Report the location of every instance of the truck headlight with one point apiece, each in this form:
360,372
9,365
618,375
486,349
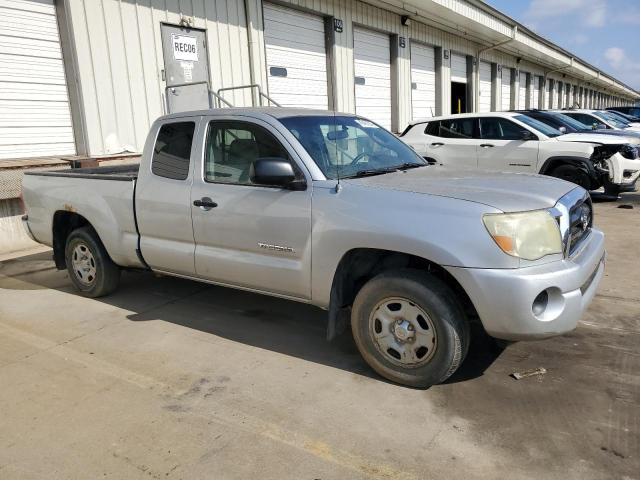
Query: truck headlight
527,235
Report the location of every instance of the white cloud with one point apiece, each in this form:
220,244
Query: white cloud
625,68
579,39
615,56
591,13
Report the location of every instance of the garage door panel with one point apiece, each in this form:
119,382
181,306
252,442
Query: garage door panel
295,41
40,6
372,62
35,117
505,89
28,25
522,90
423,80
484,104
458,68
536,92
296,61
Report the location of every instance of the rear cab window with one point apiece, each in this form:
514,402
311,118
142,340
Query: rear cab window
172,151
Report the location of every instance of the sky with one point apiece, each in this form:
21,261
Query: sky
605,33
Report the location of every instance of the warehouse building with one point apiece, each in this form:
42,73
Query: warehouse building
87,77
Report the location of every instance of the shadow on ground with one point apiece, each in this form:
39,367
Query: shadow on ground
270,323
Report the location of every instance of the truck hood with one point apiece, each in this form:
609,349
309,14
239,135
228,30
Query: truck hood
509,192
603,139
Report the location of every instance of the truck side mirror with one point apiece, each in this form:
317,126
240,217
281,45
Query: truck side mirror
528,136
275,172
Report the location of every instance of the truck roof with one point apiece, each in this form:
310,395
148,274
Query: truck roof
276,112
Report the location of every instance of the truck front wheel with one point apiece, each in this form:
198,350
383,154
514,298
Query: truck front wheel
409,328
91,269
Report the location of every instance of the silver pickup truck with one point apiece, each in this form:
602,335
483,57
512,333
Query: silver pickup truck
332,210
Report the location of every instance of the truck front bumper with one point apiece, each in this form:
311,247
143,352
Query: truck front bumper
506,299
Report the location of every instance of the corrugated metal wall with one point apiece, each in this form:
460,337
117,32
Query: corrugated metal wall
120,60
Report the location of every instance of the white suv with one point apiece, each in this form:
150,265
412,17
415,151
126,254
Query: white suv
513,142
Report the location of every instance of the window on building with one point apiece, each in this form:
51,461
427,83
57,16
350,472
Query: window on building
172,151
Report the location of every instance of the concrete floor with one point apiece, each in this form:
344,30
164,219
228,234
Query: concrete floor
175,379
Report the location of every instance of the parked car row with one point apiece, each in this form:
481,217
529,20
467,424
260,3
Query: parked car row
591,148
333,210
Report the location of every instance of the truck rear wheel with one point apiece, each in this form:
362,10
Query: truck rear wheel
91,269
409,328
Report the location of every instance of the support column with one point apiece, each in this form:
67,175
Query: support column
443,80
496,87
472,86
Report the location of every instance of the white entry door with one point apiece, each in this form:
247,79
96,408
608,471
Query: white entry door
372,66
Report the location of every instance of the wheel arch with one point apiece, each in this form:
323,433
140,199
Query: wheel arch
65,222
359,265
585,165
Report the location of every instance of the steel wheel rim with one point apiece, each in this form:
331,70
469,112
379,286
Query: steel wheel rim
402,332
84,264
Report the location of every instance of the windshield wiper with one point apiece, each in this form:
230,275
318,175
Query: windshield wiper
376,171
408,165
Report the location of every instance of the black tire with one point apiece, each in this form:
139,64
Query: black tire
446,316
102,275
611,189
572,174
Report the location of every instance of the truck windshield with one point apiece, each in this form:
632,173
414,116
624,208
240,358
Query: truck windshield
346,146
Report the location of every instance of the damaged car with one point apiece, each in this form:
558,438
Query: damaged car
514,142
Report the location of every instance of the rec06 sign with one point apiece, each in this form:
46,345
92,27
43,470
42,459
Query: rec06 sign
185,47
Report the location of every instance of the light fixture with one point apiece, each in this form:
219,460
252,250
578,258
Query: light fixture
405,20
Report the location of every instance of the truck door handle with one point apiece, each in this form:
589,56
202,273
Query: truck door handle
437,144
205,203
486,145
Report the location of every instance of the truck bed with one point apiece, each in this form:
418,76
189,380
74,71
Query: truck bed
103,196
117,172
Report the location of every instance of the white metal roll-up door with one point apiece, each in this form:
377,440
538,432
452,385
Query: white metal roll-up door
458,68
484,103
35,119
535,101
522,90
506,88
372,65
423,81
554,95
296,57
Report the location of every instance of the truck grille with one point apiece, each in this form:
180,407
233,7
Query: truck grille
580,223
